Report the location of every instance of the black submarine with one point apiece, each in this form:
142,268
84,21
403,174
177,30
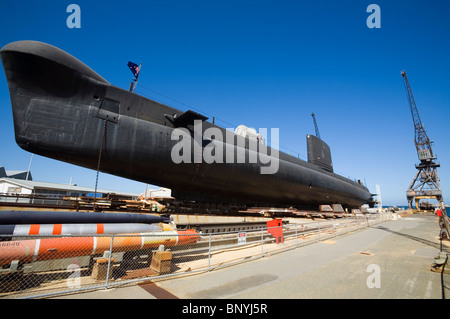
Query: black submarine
64,110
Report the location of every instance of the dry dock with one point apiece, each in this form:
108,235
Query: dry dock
390,260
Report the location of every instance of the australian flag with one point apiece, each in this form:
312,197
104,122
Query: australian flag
134,69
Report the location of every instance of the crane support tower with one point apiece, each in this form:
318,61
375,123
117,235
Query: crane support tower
426,181
315,125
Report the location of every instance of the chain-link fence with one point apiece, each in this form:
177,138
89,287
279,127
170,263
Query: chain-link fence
37,267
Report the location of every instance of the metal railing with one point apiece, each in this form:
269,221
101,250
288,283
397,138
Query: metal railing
40,267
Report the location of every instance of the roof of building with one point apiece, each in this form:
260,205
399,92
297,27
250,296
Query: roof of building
67,187
26,175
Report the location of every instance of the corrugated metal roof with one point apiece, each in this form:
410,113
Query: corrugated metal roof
66,187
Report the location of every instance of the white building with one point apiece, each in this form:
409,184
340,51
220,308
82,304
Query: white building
27,191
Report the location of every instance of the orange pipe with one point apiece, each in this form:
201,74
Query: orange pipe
56,248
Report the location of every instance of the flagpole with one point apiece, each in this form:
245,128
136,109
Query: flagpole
135,82
29,167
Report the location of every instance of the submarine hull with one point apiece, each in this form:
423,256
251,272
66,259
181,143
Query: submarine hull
50,217
62,109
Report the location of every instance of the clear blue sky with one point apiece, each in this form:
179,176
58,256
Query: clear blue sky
265,64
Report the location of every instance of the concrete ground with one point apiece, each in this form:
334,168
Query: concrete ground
390,260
